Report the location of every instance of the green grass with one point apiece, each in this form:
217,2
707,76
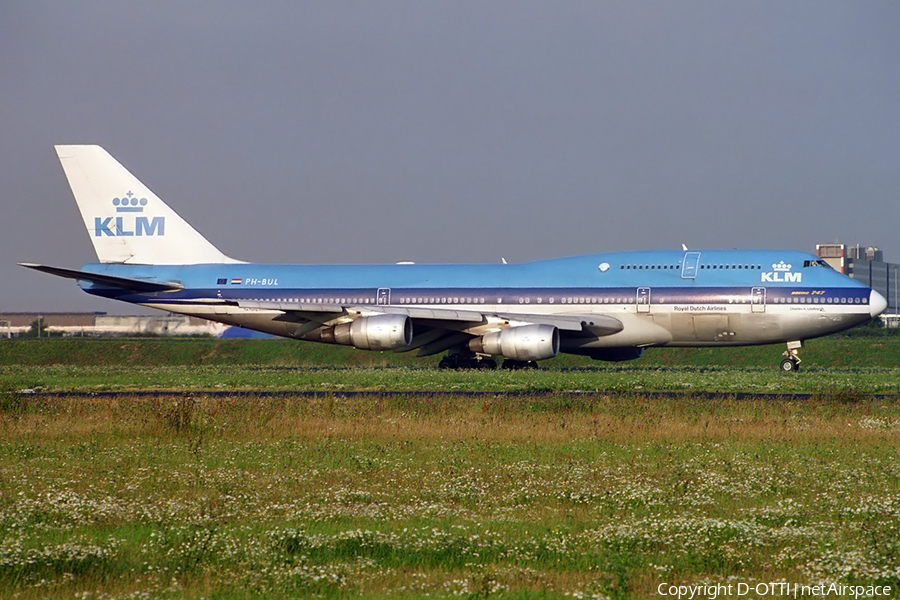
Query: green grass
630,379
832,365
540,496
832,352
546,494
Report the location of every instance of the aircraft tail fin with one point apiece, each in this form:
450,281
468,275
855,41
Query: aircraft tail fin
128,223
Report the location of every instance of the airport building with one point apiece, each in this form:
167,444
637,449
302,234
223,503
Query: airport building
866,265
13,324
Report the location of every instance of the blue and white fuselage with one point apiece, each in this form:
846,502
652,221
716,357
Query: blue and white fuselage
608,306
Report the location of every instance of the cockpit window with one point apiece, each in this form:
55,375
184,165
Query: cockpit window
816,263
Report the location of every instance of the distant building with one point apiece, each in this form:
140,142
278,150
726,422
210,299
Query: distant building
866,265
99,323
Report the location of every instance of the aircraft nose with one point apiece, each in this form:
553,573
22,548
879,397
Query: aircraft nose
877,303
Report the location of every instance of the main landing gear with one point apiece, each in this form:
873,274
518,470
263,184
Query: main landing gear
467,361
792,358
515,365
462,360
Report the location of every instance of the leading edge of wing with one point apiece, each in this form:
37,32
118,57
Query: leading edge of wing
125,283
439,314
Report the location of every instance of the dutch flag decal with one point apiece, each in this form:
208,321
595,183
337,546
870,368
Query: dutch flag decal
236,281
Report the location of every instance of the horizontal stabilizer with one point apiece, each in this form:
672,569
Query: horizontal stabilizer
125,283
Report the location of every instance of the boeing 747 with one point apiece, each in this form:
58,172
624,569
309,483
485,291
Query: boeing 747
606,306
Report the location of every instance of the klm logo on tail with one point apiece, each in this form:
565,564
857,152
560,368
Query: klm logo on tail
126,226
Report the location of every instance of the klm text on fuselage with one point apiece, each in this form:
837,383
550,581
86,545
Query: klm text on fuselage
778,277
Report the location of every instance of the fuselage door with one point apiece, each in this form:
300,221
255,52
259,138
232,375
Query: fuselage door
643,299
690,265
758,299
384,296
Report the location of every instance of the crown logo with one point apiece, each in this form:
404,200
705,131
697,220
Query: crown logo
781,266
129,203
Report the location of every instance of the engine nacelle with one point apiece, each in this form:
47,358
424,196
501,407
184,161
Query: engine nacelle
525,342
379,332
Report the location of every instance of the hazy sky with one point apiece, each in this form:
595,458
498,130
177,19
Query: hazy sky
429,131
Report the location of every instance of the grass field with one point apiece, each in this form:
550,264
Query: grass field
877,351
628,379
546,494
831,366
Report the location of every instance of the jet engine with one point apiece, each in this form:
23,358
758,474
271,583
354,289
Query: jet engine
525,342
379,332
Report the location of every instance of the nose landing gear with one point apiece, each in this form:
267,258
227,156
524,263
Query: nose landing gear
792,359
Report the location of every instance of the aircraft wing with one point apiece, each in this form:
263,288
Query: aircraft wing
452,320
413,313
596,324
562,322
295,307
125,283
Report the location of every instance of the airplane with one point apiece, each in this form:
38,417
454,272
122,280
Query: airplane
609,307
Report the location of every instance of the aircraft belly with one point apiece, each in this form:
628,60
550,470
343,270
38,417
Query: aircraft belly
816,324
725,329
638,331
718,327
746,328
712,328
679,325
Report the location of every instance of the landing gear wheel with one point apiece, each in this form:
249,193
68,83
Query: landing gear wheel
791,362
788,365
462,361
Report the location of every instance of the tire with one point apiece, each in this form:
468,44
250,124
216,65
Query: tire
787,365
469,363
